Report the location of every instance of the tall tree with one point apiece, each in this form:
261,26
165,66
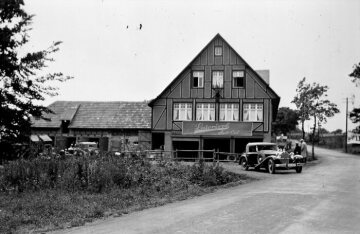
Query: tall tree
316,104
355,113
23,83
302,102
286,120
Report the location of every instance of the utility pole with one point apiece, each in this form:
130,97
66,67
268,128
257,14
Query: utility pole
346,127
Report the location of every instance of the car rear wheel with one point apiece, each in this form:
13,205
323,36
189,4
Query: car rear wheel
271,166
244,164
298,169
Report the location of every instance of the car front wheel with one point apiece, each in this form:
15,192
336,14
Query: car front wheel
298,169
271,166
244,164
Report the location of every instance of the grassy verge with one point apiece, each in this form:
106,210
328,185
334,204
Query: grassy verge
47,194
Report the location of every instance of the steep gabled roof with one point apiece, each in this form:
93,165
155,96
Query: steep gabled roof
276,100
98,115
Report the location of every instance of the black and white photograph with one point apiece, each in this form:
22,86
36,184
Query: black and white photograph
160,117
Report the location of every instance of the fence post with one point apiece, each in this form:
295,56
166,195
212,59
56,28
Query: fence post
214,157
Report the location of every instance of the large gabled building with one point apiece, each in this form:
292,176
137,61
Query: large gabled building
218,101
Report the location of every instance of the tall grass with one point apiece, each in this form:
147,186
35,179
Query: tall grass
54,192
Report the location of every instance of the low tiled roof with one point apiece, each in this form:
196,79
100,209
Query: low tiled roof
99,115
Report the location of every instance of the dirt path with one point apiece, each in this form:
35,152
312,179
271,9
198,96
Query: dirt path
322,199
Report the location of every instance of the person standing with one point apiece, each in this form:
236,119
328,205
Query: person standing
303,147
297,149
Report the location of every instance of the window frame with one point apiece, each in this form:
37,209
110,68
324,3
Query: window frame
186,110
193,77
232,111
244,79
212,79
256,110
221,50
208,109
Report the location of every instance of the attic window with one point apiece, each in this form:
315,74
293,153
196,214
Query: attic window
218,50
238,77
198,79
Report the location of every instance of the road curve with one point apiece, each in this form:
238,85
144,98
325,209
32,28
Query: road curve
324,198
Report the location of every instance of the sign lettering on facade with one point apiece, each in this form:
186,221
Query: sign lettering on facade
217,128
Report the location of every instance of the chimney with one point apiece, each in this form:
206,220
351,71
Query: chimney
265,75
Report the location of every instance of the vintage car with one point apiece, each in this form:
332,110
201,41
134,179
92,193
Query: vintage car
269,156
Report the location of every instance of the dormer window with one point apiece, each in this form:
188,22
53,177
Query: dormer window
218,50
198,79
218,79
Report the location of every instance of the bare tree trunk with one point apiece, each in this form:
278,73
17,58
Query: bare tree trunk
313,140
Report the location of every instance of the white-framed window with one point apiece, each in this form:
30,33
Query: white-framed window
205,112
217,79
253,112
198,79
182,111
229,112
239,79
218,50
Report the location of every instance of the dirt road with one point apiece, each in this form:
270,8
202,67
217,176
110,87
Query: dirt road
322,199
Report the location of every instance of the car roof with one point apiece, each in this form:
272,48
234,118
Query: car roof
260,143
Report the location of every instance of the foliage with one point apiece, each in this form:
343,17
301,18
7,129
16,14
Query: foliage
51,191
310,100
355,115
23,82
337,131
355,74
303,102
286,120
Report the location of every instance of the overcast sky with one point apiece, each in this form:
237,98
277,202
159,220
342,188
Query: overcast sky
111,59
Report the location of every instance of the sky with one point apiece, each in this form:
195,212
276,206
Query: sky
111,59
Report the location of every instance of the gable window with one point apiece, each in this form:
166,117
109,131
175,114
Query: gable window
205,112
218,50
182,111
238,77
217,79
229,112
253,112
198,79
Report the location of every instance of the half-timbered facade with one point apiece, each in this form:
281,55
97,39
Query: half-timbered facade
217,102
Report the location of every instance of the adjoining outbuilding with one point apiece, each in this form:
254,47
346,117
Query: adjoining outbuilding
114,126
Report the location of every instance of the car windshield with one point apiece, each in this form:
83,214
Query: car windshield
267,147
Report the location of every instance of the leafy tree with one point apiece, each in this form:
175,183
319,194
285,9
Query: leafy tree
302,102
23,83
316,106
286,121
356,74
355,115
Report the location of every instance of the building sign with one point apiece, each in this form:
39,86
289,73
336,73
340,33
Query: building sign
217,128
353,138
